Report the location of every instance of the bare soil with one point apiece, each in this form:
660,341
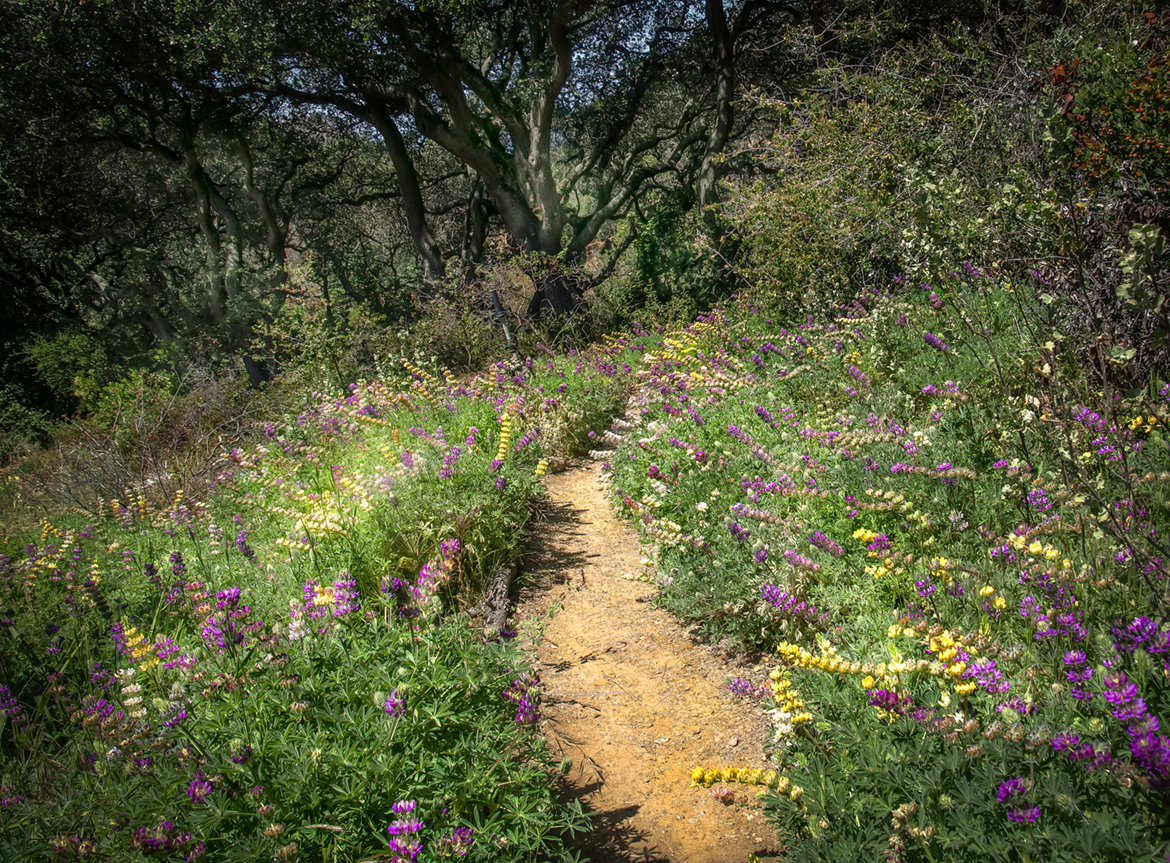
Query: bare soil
630,697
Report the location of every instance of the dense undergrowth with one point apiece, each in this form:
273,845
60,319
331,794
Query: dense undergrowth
953,544
285,666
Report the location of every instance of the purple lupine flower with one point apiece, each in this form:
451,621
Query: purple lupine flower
457,843
826,544
1024,814
1129,637
890,701
1151,751
525,694
935,342
793,558
9,797
177,715
346,596
450,460
501,483
1013,794
10,706
395,705
404,842
1039,500
738,531
199,788
1011,790
746,689
987,676
242,544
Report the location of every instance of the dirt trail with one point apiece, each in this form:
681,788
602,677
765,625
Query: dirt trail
629,697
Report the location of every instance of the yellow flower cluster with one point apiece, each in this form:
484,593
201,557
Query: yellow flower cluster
940,568
505,436
1150,422
139,649
320,524
292,544
885,568
788,700
541,468
421,390
705,778
1038,551
945,646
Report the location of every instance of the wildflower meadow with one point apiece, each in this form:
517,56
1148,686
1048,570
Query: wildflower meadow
951,546
289,666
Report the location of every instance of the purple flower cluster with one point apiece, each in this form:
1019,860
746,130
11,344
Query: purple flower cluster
450,460
738,531
1078,672
935,342
890,701
404,842
1069,623
525,694
826,544
346,596
1150,750
395,705
436,572
1038,500
242,544
227,626
794,558
792,605
164,840
989,678
1014,794
457,843
1141,632
199,788
9,797
746,689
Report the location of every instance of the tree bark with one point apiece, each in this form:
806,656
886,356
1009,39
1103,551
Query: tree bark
434,270
720,132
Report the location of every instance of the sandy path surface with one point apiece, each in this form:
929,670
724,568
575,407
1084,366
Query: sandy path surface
629,697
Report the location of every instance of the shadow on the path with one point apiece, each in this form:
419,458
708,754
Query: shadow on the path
612,839
551,554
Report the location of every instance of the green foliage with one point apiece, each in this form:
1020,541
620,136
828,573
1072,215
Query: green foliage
272,666
924,509
74,364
